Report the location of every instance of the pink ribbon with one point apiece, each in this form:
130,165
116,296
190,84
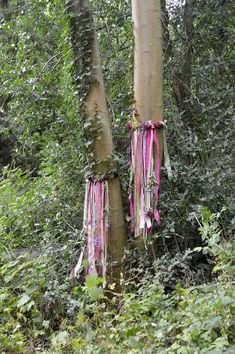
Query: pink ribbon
144,163
96,211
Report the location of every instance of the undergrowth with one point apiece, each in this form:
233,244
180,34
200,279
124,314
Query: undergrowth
169,307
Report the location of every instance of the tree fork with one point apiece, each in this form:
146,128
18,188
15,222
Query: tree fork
93,107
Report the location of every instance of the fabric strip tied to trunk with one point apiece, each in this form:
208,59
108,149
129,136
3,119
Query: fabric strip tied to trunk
96,213
144,166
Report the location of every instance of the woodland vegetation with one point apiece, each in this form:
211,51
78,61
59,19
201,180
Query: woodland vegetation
178,295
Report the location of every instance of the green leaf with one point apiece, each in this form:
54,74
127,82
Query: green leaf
23,300
92,281
60,338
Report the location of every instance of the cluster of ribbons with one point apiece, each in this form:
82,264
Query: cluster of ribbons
96,212
144,166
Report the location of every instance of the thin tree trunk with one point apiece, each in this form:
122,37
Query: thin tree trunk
148,67
6,143
93,107
4,4
181,79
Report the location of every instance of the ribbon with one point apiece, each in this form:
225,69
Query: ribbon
95,226
144,164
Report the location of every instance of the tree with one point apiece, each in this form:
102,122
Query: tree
148,86
5,143
148,81
4,4
181,77
93,108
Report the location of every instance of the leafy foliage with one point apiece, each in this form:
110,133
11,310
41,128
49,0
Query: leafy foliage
179,296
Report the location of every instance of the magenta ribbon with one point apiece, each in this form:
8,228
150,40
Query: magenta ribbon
157,160
96,224
144,164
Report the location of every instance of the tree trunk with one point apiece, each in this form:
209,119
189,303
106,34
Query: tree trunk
148,72
148,68
6,143
93,107
181,79
4,4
